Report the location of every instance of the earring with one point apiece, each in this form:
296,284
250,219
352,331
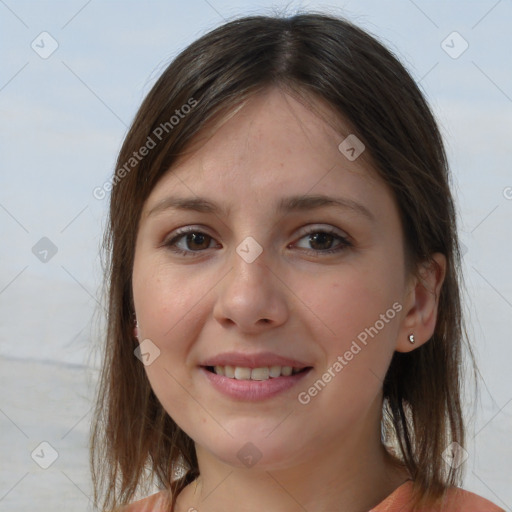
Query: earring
411,338
136,329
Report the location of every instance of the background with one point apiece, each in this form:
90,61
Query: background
72,76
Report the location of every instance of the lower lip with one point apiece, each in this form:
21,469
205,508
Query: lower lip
252,390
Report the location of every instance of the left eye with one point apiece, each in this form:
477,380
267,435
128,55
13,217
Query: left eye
326,237
197,241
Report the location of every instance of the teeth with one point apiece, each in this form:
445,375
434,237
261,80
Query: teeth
260,374
275,371
242,373
286,371
263,373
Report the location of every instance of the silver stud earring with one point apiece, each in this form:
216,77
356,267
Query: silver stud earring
411,338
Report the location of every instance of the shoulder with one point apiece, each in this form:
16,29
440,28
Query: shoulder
459,500
154,503
455,500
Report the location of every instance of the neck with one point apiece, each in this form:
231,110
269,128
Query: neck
352,473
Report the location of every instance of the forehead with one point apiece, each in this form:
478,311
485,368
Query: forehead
291,124
270,146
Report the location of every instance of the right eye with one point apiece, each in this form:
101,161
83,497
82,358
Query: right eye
193,240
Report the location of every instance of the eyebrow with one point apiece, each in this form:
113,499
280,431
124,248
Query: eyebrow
286,204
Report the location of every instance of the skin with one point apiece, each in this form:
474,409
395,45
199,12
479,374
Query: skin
290,301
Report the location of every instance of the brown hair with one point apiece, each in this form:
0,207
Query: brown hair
314,56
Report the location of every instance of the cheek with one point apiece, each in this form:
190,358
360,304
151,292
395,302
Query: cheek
353,314
356,323
160,295
170,307
346,302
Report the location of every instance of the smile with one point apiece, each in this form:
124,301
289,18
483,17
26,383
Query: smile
253,384
262,373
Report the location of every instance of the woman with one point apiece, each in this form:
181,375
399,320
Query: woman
285,324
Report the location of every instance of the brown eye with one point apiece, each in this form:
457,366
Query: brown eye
189,241
322,241
197,241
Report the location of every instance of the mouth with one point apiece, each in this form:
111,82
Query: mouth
258,374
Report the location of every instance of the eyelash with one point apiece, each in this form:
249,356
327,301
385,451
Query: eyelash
329,231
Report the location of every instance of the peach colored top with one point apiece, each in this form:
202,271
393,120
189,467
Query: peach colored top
457,500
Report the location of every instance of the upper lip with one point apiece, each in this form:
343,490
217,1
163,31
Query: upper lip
259,360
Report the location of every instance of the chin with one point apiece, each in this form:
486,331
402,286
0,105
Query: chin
261,452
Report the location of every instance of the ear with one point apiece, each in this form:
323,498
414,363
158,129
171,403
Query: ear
421,303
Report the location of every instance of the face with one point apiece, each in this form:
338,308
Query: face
317,284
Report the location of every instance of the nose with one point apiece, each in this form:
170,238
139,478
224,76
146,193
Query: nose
251,296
